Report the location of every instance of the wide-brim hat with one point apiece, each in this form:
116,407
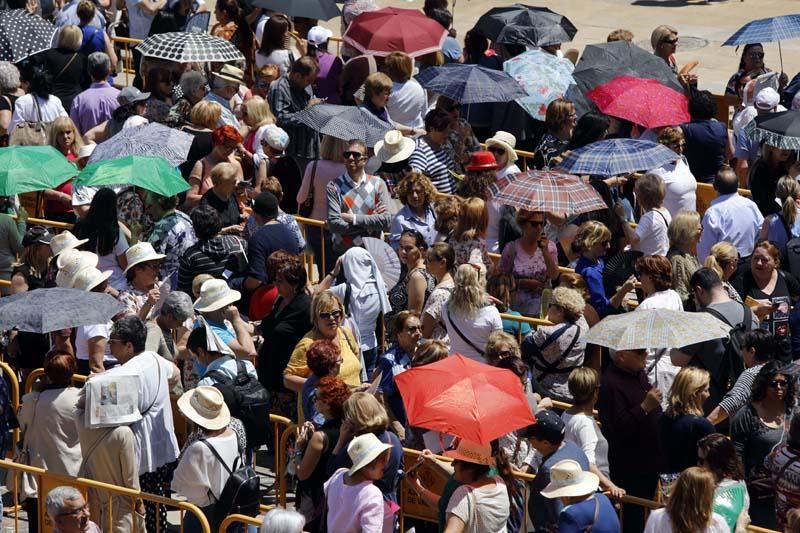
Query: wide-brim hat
205,406
506,141
141,253
567,478
482,160
364,449
472,452
65,241
231,73
215,294
89,278
394,147
70,263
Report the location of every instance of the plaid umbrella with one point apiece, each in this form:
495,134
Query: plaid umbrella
32,168
390,29
545,190
470,84
189,47
656,328
641,101
781,130
46,310
152,139
525,25
544,77
345,122
23,34
767,30
313,9
613,157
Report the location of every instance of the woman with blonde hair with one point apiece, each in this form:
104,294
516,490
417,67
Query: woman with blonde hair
690,506
203,117
664,41
64,137
559,122
683,423
469,236
67,65
409,101
783,226
255,113
650,236
724,260
469,317
684,234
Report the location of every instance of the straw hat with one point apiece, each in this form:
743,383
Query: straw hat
65,241
364,449
472,452
89,278
394,147
206,407
506,141
140,253
567,478
70,263
231,73
215,294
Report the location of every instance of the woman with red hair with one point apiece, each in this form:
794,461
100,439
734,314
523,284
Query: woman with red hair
226,140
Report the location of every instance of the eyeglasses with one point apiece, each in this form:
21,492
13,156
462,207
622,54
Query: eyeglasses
775,383
354,155
332,315
756,55
81,510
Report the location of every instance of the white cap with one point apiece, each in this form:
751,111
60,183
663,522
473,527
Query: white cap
318,35
767,98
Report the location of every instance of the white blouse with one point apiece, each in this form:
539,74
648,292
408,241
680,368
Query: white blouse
25,110
200,475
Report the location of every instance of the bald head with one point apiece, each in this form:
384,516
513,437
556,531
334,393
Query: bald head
726,181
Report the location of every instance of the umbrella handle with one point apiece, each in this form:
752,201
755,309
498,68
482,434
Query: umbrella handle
780,53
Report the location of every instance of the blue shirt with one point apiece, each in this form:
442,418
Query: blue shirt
592,273
269,238
227,366
225,334
395,361
732,218
776,232
407,219
512,327
307,396
545,511
575,518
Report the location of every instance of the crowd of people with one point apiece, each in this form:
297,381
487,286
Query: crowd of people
224,315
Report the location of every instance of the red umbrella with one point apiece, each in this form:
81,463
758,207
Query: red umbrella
470,400
391,29
645,102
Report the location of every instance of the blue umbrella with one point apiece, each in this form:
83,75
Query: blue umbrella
766,31
613,157
470,84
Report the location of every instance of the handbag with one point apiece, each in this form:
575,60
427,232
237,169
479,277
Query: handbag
25,484
31,133
308,204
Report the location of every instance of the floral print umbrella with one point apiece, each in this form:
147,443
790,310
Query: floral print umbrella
543,76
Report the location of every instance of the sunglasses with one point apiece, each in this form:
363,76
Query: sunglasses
332,315
775,383
496,150
671,41
756,55
354,155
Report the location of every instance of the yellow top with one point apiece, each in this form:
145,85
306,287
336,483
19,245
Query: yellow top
350,371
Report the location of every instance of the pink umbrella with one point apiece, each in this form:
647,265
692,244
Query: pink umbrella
645,102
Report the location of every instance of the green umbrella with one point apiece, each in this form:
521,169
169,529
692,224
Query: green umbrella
152,173
32,168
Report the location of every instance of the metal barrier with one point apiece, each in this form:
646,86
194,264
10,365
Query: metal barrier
10,375
124,44
239,519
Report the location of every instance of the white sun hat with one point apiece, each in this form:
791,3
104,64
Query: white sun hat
65,241
205,406
89,278
394,147
567,478
141,252
364,449
506,141
70,263
215,294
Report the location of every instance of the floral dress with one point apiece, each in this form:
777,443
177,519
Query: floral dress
435,304
522,265
473,252
398,295
172,235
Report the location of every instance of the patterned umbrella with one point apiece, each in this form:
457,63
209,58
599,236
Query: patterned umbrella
525,25
152,139
642,101
23,34
32,168
470,84
548,191
46,310
767,30
656,328
189,47
152,173
313,9
390,29
613,157
781,130
544,77
345,122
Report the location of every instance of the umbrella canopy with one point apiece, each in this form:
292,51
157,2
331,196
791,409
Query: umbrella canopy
645,102
470,84
32,168
23,34
613,157
464,398
781,130
386,258
766,30
152,139
525,25
152,173
601,63
313,9
345,122
548,191
543,76
390,29
46,310
189,47
656,328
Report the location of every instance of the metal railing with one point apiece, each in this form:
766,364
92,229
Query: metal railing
239,519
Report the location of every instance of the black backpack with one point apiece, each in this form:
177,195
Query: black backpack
732,362
248,401
242,491
790,258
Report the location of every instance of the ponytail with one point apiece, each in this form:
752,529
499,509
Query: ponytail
712,263
789,211
504,469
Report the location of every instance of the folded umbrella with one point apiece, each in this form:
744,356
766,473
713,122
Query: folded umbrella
345,122
613,157
386,258
470,84
32,168
152,139
152,173
464,398
313,9
548,191
543,76
645,102
23,34
525,25
390,29
46,310
781,130
189,47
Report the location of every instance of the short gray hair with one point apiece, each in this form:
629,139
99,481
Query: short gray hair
178,305
9,77
56,498
191,81
283,521
99,65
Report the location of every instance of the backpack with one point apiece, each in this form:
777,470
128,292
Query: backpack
248,401
791,255
242,491
732,361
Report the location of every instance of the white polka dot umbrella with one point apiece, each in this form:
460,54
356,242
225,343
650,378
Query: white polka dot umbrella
23,34
189,47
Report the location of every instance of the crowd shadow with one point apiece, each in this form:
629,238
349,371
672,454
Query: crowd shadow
676,3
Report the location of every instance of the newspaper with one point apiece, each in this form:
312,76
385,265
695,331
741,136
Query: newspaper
112,400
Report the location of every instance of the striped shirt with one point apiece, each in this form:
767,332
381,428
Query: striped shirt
436,164
208,257
739,395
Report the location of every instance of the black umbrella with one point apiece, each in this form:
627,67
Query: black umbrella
601,63
23,34
313,9
525,25
344,122
46,310
781,130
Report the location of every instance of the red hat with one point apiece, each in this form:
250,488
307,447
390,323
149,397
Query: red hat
482,161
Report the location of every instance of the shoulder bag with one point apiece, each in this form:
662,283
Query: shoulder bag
31,133
482,353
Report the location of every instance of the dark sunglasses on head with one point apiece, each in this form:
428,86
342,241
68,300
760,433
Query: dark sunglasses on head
355,155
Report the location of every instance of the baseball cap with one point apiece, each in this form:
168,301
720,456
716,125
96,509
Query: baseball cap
548,426
36,234
318,35
767,98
